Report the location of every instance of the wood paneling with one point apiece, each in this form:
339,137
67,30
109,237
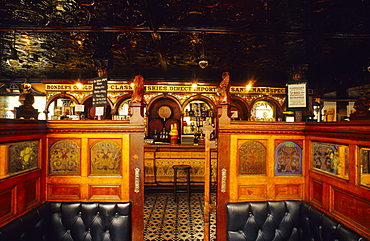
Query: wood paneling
6,204
287,191
20,191
269,186
351,207
32,192
102,192
316,191
88,186
62,191
255,192
340,196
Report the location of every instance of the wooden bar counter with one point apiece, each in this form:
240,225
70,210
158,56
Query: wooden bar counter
159,159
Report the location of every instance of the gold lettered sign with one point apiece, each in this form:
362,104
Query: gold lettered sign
180,88
257,90
68,87
168,88
120,87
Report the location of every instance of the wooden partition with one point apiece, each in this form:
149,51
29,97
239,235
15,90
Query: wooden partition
96,161
338,191
21,154
259,161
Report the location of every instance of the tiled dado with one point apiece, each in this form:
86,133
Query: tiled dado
189,155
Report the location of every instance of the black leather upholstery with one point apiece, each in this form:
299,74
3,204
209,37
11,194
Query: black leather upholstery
71,222
283,221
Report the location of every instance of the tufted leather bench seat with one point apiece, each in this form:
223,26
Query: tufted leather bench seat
283,220
58,221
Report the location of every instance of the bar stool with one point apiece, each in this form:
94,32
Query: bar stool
176,180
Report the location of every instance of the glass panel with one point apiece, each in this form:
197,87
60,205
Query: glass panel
262,111
365,166
331,158
105,158
252,158
123,111
288,159
23,156
64,158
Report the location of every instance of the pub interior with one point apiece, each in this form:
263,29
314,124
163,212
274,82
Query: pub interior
266,102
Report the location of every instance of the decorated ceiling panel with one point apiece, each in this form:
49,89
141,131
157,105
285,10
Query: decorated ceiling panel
164,40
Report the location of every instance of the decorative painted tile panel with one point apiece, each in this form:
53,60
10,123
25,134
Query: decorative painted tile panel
252,158
64,158
105,158
23,156
288,158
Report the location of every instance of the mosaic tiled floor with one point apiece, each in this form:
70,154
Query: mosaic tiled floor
171,221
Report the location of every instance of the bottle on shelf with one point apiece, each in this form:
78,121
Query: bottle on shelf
191,111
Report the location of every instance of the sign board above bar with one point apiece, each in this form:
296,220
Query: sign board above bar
169,88
100,91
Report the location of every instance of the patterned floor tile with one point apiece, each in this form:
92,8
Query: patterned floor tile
166,220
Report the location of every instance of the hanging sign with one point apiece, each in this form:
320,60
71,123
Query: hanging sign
297,95
100,91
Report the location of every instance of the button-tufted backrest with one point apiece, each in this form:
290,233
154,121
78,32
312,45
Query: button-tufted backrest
90,222
316,225
275,220
32,226
284,221
57,221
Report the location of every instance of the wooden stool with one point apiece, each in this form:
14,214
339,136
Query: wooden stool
186,169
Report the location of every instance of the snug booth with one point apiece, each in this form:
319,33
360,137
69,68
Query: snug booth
72,221
283,220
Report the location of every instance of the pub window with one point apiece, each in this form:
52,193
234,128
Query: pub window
330,158
262,111
252,158
365,166
288,159
123,111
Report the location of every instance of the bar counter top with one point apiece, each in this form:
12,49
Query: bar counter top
168,145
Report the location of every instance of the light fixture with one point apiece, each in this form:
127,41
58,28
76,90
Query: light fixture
249,85
13,59
203,62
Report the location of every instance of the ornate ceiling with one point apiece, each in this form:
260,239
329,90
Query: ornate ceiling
164,39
